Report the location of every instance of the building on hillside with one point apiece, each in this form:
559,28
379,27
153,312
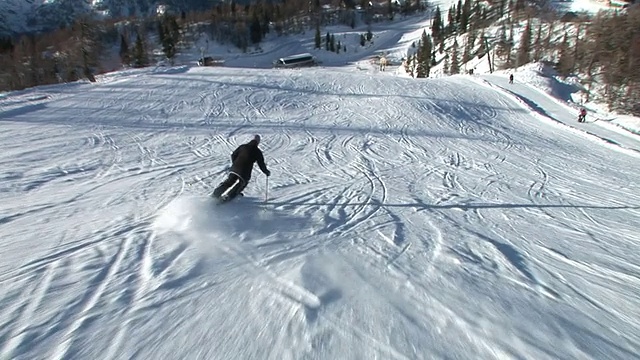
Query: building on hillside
300,60
211,61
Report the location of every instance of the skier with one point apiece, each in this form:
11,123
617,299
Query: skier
583,115
510,78
242,160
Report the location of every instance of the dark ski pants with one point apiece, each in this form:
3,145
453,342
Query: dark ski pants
234,183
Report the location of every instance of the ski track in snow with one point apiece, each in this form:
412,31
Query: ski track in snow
406,219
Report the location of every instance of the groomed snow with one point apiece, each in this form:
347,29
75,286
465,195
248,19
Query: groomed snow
443,218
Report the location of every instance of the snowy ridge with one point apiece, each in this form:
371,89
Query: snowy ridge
405,220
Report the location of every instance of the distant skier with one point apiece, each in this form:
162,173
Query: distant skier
242,159
583,115
510,78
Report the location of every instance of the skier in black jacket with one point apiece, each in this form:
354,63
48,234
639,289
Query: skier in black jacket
242,160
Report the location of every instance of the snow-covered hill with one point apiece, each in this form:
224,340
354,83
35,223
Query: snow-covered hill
404,219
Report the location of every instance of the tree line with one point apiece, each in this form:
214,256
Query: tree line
604,49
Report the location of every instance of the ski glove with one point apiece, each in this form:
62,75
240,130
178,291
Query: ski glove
268,173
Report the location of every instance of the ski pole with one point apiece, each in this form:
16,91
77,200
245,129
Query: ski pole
266,188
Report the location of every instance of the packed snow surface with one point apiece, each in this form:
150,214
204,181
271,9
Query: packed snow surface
404,219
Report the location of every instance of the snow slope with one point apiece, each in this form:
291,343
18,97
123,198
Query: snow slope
404,219
545,106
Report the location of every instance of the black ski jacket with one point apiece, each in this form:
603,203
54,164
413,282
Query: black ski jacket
244,157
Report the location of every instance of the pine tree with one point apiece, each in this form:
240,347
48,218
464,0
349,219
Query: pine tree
548,38
423,58
436,25
478,16
407,64
420,68
6,45
24,63
89,47
455,60
412,65
537,44
169,35
318,37
161,33
508,62
451,21
140,56
524,51
255,28
564,65
467,54
578,52
266,19
447,64
632,96
125,57
465,16
502,46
